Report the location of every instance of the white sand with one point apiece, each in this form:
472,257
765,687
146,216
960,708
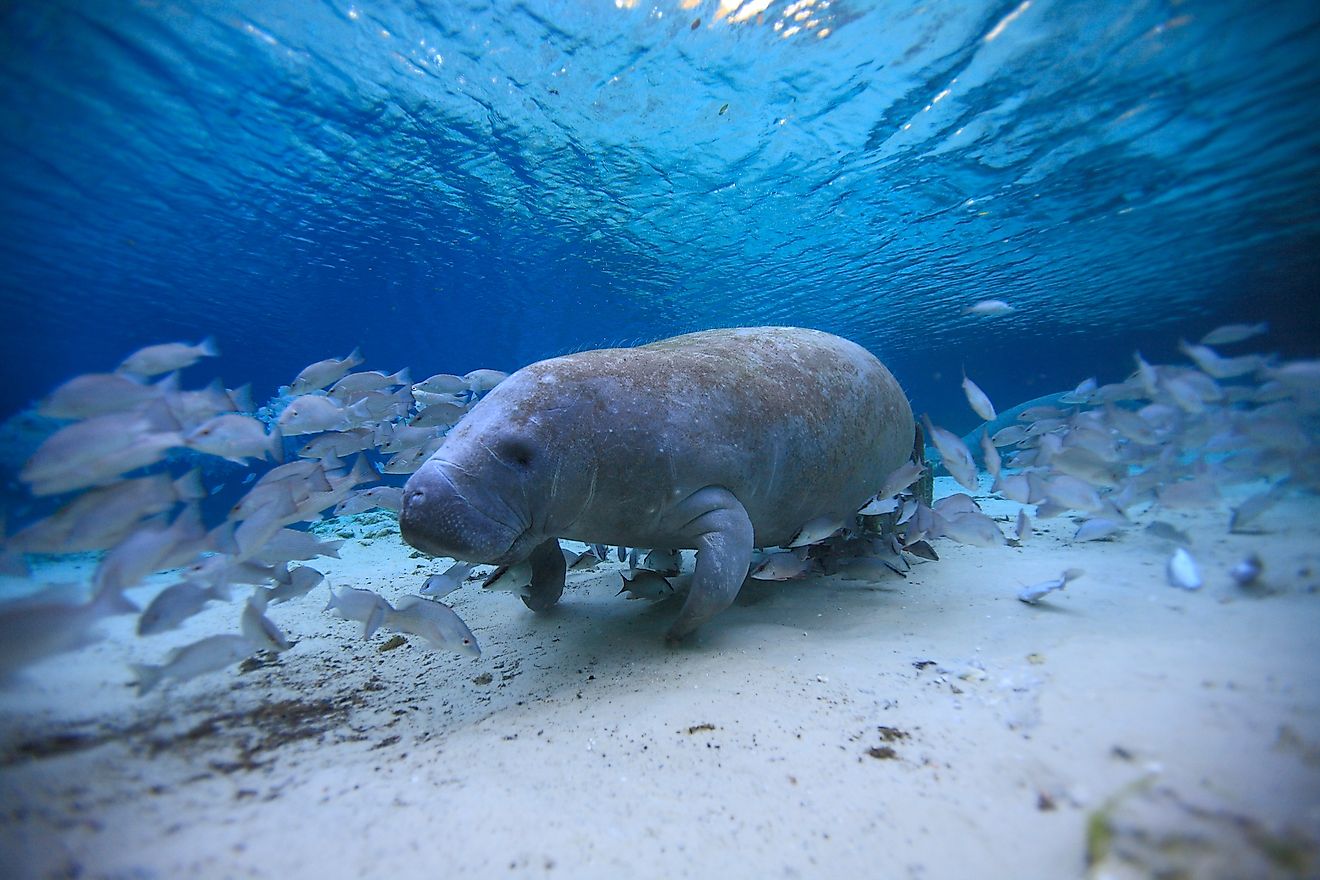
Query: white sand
579,745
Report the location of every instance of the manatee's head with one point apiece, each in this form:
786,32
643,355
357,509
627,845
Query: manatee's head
480,497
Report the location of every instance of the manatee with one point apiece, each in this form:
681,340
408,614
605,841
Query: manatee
718,441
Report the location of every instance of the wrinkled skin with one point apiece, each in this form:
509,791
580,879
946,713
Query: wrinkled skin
718,441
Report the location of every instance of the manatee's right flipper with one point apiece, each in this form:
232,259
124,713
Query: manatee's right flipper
548,568
722,531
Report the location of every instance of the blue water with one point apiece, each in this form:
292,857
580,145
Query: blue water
454,185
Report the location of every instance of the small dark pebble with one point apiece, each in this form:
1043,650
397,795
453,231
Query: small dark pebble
697,728
883,753
1045,803
484,678
394,642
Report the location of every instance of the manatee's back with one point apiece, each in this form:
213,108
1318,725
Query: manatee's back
796,423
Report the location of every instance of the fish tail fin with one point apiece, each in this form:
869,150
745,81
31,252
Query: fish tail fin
355,356
189,486
276,451
402,377
207,347
240,398
147,676
374,620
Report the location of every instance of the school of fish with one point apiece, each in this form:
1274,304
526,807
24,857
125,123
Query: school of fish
122,479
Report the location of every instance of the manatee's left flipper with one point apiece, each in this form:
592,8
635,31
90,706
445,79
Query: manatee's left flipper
548,568
723,534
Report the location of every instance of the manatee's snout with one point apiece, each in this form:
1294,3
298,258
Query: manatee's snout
440,520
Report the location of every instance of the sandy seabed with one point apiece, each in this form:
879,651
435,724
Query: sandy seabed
926,727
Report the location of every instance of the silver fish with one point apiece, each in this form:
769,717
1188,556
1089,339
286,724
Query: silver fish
900,478
323,373
1168,532
440,415
257,627
295,583
1070,493
175,604
288,545
1097,528
878,506
376,406
1182,570
977,399
339,444
1147,375
295,489
341,484
782,566
100,448
52,622
156,359
208,655
1247,512
957,459
410,460
435,622
1081,394
292,470
442,383
645,584
236,438
354,384
1009,435
435,398
667,562
585,561
1231,333
988,308
447,581
1034,593
868,568
363,606
481,381
191,408
1014,487
921,549
1080,462
1212,364
516,578
311,414
276,511
150,549
96,394
993,462
391,438
383,497
101,518
1196,492
972,528
956,504
815,530
1022,528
